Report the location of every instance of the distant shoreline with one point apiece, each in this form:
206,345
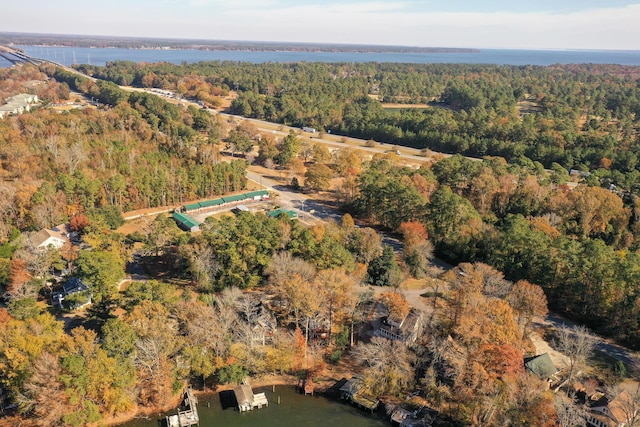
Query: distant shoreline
59,40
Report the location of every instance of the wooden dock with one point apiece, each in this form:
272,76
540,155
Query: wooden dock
306,385
355,391
188,417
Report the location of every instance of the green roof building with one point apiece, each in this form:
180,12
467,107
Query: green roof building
211,203
275,213
185,222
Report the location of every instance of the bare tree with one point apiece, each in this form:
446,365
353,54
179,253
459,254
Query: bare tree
51,211
626,404
44,392
53,146
570,414
306,150
204,266
388,364
338,293
493,282
283,265
527,300
37,261
577,343
72,155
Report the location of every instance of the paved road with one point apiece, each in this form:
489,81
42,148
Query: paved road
308,207
334,142
629,357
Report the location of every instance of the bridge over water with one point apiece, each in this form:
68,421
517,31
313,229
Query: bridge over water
17,57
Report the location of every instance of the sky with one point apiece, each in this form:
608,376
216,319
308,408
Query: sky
519,24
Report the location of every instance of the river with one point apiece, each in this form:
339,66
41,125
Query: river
100,56
294,410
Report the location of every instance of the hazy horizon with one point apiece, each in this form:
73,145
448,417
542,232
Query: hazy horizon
493,24
187,41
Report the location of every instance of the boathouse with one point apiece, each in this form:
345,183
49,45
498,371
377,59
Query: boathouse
248,401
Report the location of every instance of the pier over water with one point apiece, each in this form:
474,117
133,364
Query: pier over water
189,416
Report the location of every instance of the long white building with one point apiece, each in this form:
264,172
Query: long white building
18,104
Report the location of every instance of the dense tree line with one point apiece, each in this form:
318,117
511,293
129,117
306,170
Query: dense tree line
579,116
580,245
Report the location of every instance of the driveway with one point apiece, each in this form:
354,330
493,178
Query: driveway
629,357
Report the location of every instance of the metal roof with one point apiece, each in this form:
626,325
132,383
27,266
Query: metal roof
185,220
541,365
212,202
260,193
275,213
234,198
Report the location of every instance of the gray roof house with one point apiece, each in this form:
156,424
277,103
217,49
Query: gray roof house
405,330
76,293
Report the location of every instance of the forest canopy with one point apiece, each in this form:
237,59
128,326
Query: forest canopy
582,117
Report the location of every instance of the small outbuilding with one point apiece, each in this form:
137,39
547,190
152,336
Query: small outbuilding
541,365
275,213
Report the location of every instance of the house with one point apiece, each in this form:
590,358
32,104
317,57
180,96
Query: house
261,320
422,417
55,237
75,292
405,329
579,173
541,365
619,412
18,104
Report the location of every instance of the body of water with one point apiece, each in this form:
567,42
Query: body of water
100,56
294,410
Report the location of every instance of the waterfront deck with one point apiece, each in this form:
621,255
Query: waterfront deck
355,391
188,417
365,401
